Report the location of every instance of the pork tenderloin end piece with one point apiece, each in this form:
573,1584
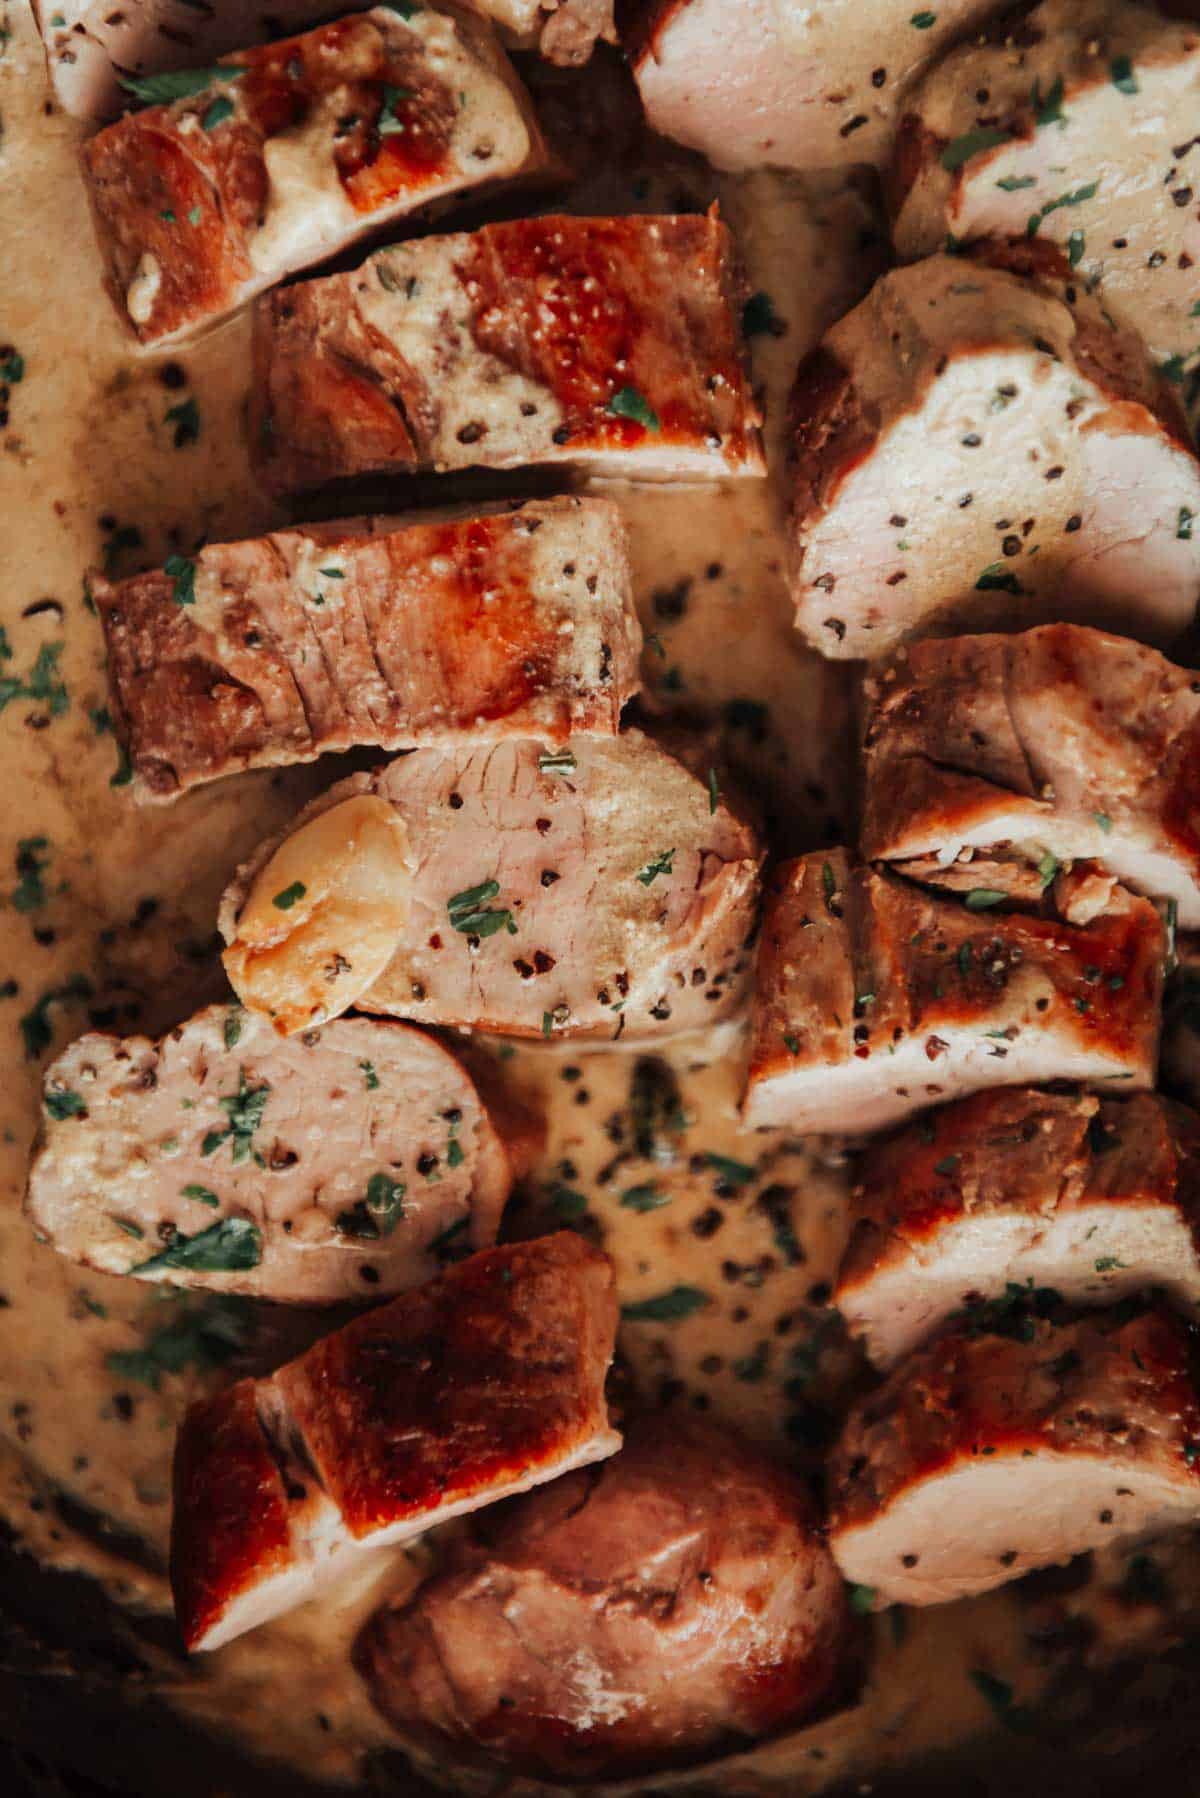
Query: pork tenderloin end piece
350,1162
477,1386
982,1457
876,999
1020,1191
201,203
787,86
1084,138
977,444
326,637
1030,752
677,1600
588,892
607,343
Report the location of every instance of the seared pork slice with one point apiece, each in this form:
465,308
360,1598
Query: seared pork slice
786,85
675,1601
94,49
323,637
608,342
346,1163
1032,751
284,154
983,1456
973,447
876,999
1077,125
1091,1198
479,1385
600,890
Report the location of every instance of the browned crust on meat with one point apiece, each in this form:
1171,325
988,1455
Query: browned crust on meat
231,1524
915,147
1121,1391
429,631
642,23
1019,1149
833,929
829,435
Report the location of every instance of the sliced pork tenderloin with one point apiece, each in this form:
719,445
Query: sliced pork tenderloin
346,1163
285,154
977,444
481,1384
994,760
611,343
1076,123
98,54
324,637
785,85
983,1456
600,890
1085,1197
876,999
674,1602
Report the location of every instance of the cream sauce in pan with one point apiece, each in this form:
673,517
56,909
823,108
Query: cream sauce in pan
107,914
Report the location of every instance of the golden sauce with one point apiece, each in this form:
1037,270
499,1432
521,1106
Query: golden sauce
104,456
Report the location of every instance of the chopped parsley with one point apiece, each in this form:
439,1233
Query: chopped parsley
1108,1264
30,894
204,1337
370,1077
1183,524
285,900
378,1213
231,1030
63,1102
203,1195
43,682
627,402
971,143
182,571
470,913
737,1173
566,1201
1047,868
1047,108
861,1599
999,1695
983,898
1102,821
12,368
244,1109
35,1025
177,84
667,1307
1075,198
1013,184
229,1246
662,864
1121,74
923,20
995,577
186,419
646,1197
1076,245
216,114
559,761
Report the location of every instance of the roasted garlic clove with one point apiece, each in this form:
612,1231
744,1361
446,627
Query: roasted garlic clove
323,916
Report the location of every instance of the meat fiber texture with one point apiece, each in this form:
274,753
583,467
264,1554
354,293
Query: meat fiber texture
984,1456
473,1388
978,444
341,1164
94,49
372,633
254,173
609,343
995,760
876,999
1017,1193
676,1601
779,84
600,893
1076,124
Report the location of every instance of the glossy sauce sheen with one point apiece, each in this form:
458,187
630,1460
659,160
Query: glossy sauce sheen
86,452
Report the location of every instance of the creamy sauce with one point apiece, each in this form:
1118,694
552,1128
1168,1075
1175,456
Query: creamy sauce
96,891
